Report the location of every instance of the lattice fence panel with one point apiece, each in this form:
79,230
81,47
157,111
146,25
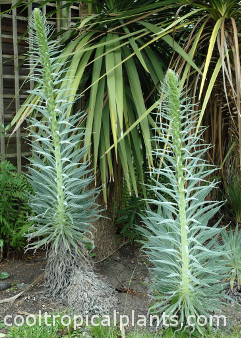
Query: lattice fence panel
13,73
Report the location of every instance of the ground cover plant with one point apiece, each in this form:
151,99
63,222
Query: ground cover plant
188,271
63,203
113,331
62,330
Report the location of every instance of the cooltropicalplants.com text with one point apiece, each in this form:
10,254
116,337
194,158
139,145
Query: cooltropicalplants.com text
114,319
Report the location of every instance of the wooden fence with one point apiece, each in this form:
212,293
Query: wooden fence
13,73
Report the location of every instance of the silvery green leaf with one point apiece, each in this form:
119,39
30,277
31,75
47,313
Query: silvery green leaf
186,265
62,201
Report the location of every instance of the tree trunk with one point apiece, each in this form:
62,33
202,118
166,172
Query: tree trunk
104,236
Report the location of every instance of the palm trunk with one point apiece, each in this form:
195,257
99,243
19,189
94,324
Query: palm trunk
104,236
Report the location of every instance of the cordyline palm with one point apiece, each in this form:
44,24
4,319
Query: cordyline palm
115,61
213,41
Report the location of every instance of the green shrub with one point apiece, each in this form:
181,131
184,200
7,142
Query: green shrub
187,271
129,216
14,208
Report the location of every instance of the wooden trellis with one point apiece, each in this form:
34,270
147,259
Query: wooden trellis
13,74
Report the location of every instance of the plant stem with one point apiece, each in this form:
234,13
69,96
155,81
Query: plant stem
176,128
50,106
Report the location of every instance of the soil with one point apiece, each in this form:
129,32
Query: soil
126,273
